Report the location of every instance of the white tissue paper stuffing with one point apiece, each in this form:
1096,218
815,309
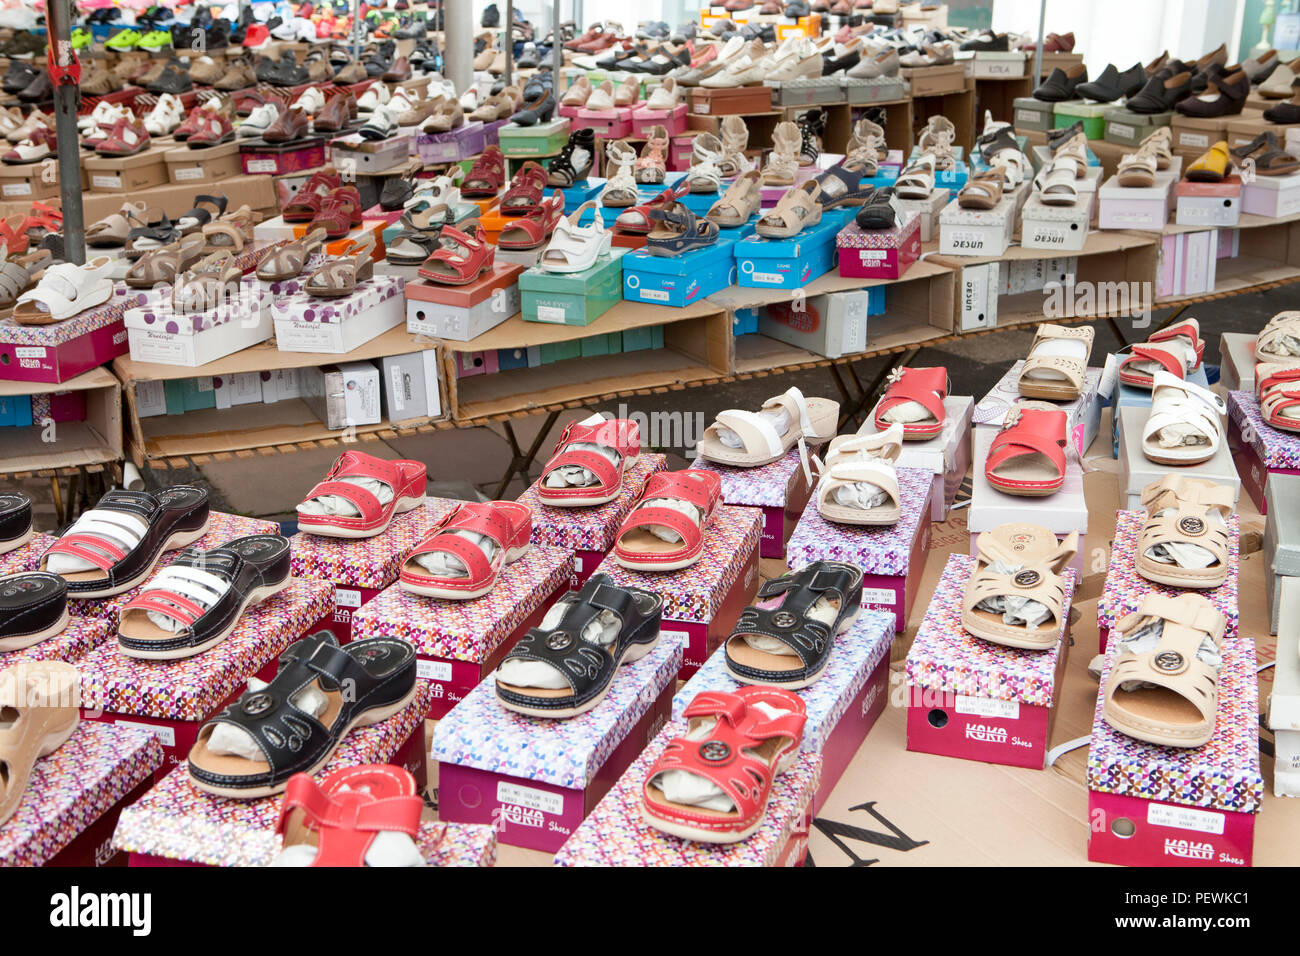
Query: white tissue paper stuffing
861,494
1014,608
68,564
1287,345
1180,348
824,610
1147,638
1184,553
446,565
1056,348
1179,434
905,412
779,417
337,506
601,630
665,533
692,790
232,741
389,848
575,476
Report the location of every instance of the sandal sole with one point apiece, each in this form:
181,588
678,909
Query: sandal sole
401,506
255,596
634,652
174,542
13,544
23,641
770,679
451,594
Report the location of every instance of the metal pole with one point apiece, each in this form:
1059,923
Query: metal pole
61,58
458,44
557,50
356,30
1038,50
508,41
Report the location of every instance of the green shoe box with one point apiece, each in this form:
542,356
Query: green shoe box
646,337
573,298
544,139
1126,128
559,351
1092,115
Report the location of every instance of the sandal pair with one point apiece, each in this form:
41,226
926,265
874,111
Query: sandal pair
361,496
914,399
859,480
589,462
1027,457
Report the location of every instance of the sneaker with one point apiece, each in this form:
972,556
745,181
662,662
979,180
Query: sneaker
155,40
127,39
81,38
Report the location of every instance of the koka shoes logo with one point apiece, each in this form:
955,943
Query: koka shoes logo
509,813
986,734
1189,849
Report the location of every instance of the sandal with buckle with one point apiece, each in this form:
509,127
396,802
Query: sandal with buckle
744,439
1184,540
923,387
1027,456
841,185
1015,595
319,694
665,529
460,556
1185,425
859,480
566,665
403,480
786,638
1178,349
676,230
461,257
917,180
40,701
531,231
620,189
486,177
573,163
1057,364
730,755
589,462
339,821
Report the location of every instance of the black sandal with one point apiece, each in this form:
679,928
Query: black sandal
173,79
788,622
877,212
161,231
397,190
561,171
587,666
206,209
841,185
681,231
364,683
15,520
1269,157
424,240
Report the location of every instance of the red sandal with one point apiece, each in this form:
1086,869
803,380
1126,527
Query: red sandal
460,257
344,813
1028,455
928,387
508,523
620,435
338,213
306,201
741,754
637,548
637,218
405,478
525,192
532,230
1161,350
486,177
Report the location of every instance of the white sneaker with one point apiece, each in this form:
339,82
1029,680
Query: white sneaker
440,86
377,94
104,114
166,115
287,30
311,102
259,120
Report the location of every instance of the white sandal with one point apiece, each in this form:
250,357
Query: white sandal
746,439
620,191
917,180
1185,426
859,469
575,248
705,176
1056,183
65,290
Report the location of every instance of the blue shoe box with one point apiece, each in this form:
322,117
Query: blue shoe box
790,263
679,280
579,193
745,322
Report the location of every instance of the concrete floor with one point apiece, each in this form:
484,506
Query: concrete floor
464,463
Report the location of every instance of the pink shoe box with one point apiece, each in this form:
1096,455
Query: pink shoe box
1259,450
176,824
1180,806
463,142
27,556
644,120
1208,204
360,568
172,699
616,834
879,253
1124,589
59,407
589,532
976,700
75,795
892,557
58,352
779,489
568,112
609,124
947,455
222,527
459,642
378,213
679,154
702,602
843,703
81,636
535,780
1275,197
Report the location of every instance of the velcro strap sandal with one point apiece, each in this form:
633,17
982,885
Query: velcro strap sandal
656,536
1057,363
1015,595
1185,425
530,231
461,256
861,467
745,439
404,479
1181,512
1178,350
506,524
1027,457
573,247
338,820
525,192
676,229
562,485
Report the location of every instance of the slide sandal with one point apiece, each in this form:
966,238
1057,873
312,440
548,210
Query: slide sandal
1057,363
1184,540
349,814
745,439
1028,455
589,462
402,480
1178,350
39,711
472,542
1015,595
1185,425
859,483
665,529
1278,387
924,389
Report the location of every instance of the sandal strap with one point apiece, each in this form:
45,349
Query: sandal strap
1029,430
789,622
926,387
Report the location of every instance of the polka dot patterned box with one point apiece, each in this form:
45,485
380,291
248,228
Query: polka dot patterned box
616,834
460,641
1259,449
176,824
780,489
158,333
589,532
892,557
63,350
307,323
1125,588
535,779
1180,806
75,794
843,703
976,700
702,602
222,527
173,698
26,557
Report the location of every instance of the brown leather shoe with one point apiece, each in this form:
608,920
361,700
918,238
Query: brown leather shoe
97,81
129,64
335,115
354,72
318,70
205,73
398,72
238,76
289,126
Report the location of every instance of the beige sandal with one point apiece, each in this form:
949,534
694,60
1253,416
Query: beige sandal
231,231
206,285
983,191
743,198
1017,572
1051,369
165,264
1160,145
752,437
1279,340
783,160
1166,695
1137,170
794,212
339,276
1183,513
39,711
113,229
855,460
287,261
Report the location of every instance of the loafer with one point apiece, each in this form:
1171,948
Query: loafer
290,125
1060,84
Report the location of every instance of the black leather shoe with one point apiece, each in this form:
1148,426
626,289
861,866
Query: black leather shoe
1112,84
877,212
15,520
1224,96
1060,84
536,111
38,90
33,608
491,16
18,77
1159,95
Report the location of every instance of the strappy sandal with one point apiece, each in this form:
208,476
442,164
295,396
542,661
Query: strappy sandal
164,265
705,176
744,439
1136,169
636,219
841,185
17,275
40,701
575,248
413,245
1163,690
338,213
1027,457
786,638
983,191
783,161
525,192
794,211
731,744
473,542
157,233
917,180
1267,155
209,283
337,821
743,198
1057,364
927,388
676,230
1015,595
652,164
566,666
860,469
231,231
361,684
486,177
1278,388
113,229
1279,340
287,261
206,208
664,531
589,462
529,232
339,275
1178,349
620,190
1184,514
404,479
460,257
937,138
1160,145
581,148
1185,426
